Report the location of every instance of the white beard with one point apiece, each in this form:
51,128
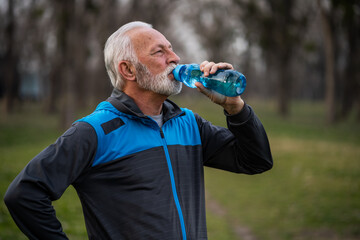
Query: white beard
159,83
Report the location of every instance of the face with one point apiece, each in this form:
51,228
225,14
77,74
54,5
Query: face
156,60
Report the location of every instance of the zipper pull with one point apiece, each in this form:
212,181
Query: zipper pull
162,133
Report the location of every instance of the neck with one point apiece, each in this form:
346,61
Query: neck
149,103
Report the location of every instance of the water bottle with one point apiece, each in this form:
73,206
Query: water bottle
226,82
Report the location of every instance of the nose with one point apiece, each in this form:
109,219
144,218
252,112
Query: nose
173,58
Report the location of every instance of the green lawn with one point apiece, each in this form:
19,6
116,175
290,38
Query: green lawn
313,191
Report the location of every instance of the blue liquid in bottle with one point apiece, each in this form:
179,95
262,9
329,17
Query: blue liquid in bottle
226,82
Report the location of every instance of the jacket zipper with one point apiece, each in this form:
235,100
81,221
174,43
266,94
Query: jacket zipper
173,186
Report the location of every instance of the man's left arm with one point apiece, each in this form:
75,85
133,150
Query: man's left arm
245,148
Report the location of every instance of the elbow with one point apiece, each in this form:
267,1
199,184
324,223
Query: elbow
15,196
264,164
267,163
12,198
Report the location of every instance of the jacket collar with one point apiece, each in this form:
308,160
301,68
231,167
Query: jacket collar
125,104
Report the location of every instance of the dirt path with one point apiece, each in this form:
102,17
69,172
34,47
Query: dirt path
240,230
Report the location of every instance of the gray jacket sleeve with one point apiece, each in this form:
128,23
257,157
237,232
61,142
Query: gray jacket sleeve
243,147
45,178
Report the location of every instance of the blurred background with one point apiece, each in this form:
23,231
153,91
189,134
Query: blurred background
302,62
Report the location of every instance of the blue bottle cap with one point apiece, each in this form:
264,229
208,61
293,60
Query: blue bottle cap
176,72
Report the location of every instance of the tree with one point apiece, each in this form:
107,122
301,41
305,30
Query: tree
351,27
10,62
341,34
273,25
329,40
213,27
62,79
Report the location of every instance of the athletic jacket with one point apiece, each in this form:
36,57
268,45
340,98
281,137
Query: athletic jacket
135,180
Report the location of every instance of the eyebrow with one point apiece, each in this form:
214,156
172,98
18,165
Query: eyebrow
161,46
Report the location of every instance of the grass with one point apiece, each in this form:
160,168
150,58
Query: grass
312,192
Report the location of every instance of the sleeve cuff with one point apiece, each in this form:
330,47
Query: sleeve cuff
240,117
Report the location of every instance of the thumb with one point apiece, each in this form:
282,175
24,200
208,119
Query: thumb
212,95
202,89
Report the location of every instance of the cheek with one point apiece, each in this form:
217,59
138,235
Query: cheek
156,67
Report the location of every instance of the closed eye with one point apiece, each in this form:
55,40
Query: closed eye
157,52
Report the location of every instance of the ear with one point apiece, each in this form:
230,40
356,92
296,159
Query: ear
127,70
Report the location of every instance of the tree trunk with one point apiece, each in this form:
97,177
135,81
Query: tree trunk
352,72
51,103
11,74
68,107
284,85
57,72
329,64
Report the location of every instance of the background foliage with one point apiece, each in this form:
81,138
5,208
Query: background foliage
51,51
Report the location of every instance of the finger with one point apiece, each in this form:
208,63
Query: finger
207,67
224,65
202,65
220,65
213,69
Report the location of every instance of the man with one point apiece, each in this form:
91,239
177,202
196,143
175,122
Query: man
137,161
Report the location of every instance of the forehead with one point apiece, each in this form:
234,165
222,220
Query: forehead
145,39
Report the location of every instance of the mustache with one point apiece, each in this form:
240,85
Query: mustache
170,68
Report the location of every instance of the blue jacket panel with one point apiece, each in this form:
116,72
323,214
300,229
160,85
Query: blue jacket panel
136,134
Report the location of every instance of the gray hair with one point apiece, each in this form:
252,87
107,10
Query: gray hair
119,47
